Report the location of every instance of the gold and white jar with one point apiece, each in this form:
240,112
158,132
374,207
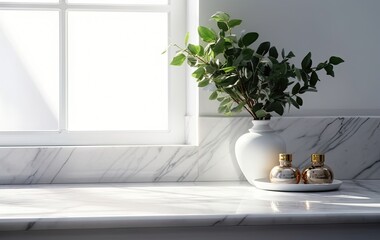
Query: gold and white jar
317,172
285,172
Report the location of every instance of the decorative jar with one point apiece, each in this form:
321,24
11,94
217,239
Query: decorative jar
257,151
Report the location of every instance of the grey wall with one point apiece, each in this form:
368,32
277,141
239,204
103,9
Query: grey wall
346,28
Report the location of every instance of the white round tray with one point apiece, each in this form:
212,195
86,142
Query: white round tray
265,184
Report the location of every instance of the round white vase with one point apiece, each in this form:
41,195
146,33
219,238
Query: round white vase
257,151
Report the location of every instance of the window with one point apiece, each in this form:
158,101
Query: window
90,72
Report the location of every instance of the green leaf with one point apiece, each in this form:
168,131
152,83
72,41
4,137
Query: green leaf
229,81
219,46
303,89
294,103
320,66
201,51
232,52
213,95
263,48
298,73
313,78
290,55
240,43
194,49
191,61
311,90
277,107
247,72
306,62
238,108
178,59
187,38
222,25
257,107
330,70
296,89
305,77
335,60
221,17
283,53
247,53
234,22
249,38
226,101
204,83
209,53
273,52
228,69
222,108
206,34
210,69
231,39
199,73
261,113
299,101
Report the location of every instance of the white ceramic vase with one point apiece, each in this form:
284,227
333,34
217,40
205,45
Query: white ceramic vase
257,151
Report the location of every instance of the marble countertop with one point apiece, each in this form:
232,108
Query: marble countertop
81,206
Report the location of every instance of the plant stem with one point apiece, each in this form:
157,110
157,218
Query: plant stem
246,108
252,114
247,100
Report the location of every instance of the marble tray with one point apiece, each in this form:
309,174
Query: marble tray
265,184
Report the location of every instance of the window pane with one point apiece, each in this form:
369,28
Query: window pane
29,70
30,1
117,76
135,2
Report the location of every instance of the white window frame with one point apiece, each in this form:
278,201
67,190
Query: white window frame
175,134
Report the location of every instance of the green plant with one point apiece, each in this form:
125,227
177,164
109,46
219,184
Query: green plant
261,81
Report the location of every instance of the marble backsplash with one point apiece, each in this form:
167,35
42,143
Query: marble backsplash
351,145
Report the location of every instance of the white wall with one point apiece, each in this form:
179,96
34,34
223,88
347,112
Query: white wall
346,28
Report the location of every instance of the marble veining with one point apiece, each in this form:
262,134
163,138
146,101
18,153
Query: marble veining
351,145
129,205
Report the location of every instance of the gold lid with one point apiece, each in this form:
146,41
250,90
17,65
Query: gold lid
285,157
317,158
